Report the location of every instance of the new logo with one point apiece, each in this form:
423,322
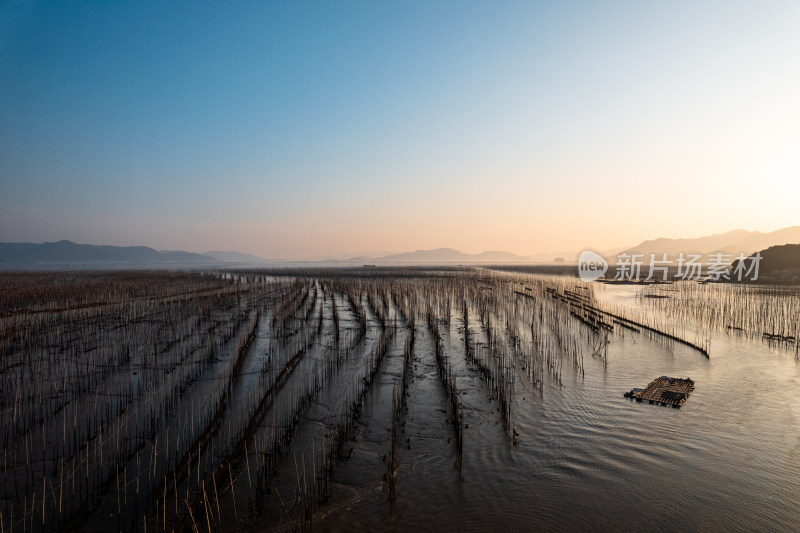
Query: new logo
591,266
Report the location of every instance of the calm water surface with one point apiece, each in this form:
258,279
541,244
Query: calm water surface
589,459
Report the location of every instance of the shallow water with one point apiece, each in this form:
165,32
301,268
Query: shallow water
589,459
572,454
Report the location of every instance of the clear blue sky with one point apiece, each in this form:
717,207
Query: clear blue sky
306,129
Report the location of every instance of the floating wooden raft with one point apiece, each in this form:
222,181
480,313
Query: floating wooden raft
665,391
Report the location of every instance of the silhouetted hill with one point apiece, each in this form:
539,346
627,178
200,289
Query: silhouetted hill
731,242
69,252
780,257
780,263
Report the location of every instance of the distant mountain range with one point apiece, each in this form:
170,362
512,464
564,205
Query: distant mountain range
235,257
731,242
67,253
70,253
451,255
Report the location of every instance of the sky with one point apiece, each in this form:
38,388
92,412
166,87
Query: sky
302,130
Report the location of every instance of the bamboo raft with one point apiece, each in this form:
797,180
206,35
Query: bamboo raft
664,391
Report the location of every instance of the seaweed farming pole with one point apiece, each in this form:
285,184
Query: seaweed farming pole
448,381
340,431
408,350
466,330
690,344
391,473
572,300
179,473
240,449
